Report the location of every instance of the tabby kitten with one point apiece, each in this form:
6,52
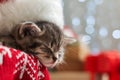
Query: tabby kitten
42,39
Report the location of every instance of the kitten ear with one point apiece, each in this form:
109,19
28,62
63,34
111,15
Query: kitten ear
68,40
29,29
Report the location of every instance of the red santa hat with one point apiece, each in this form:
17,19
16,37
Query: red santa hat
13,12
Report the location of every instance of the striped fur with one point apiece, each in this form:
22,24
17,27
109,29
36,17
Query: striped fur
42,39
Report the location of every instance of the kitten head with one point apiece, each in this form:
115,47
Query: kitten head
42,39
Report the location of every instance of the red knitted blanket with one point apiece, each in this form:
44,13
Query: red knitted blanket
17,65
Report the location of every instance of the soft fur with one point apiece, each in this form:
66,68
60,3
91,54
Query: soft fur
14,12
42,39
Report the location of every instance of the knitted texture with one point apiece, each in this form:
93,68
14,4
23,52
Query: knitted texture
17,65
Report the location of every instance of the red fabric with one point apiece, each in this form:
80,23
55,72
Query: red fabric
17,65
1,1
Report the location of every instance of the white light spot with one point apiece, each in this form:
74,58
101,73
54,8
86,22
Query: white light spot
76,21
81,0
103,32
116,34
90,20
89,29
86,38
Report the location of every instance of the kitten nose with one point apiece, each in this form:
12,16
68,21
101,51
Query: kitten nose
54,59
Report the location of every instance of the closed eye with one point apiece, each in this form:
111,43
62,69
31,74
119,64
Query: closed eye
34,45
46,51
48,57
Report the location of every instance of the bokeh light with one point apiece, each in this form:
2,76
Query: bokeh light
103,32
116,34
75,21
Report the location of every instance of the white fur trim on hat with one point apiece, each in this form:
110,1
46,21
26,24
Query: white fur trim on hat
13,12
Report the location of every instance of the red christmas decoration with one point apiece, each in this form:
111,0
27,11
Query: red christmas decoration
107,62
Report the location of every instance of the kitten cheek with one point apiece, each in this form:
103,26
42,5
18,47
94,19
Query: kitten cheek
45,60
48,63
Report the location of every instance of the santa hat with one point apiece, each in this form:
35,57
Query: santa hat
13,12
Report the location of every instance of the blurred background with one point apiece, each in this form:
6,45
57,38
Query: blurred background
96,26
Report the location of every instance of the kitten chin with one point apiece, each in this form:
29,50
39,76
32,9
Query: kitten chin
48,60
